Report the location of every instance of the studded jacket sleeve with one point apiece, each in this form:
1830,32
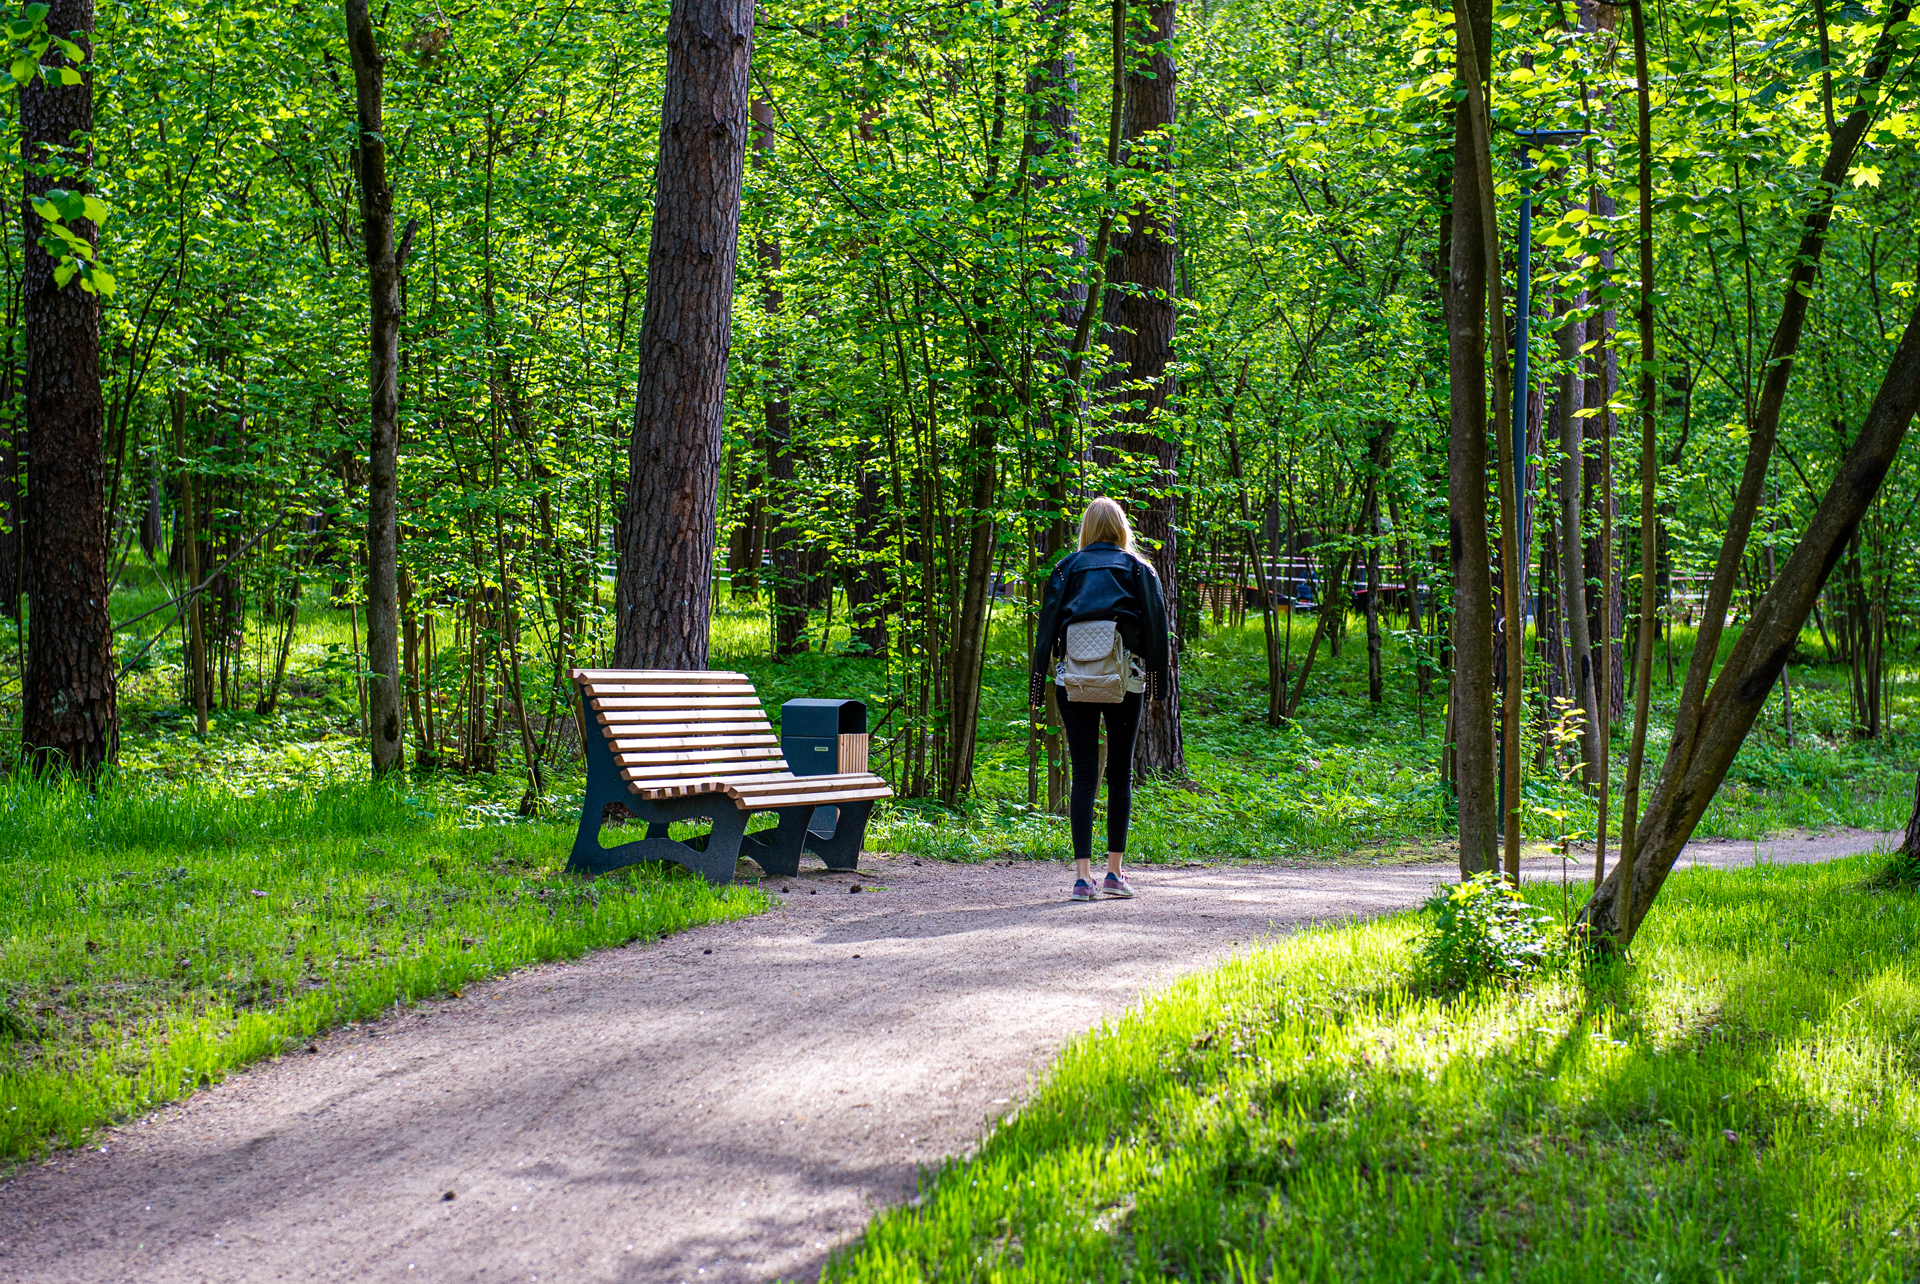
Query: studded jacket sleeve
1043,636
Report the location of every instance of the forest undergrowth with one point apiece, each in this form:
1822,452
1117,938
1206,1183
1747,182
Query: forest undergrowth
1733,1102
220,899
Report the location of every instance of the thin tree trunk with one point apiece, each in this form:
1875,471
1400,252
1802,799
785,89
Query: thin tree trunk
1573,571
187,545
1766,421
383,381
1649,456
70,716
685,333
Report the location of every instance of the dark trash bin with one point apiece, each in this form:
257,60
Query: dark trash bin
823,738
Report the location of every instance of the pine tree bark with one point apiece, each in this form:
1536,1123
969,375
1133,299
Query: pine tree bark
1139,317
685,333
70,718
383,382
1470,695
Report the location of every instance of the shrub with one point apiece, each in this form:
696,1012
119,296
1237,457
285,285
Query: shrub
1484,930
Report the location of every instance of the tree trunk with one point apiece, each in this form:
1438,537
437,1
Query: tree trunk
1471,693
69,713
1765,428
685,332
1689,780
383,381
867,587
1649,454
970,628
12,509
1140,326
1910,841
1573,572
787,612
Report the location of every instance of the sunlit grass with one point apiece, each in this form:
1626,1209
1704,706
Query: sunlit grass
1735,1103
156,935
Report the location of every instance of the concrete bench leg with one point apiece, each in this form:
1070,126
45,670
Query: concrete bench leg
778,851
711,855
842,851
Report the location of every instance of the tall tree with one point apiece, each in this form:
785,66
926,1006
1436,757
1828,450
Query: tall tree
685,332
70,715
1139,317
1471,692
383,387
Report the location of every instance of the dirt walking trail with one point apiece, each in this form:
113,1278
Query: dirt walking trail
726,1105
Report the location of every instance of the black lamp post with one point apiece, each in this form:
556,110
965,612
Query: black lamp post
1523,308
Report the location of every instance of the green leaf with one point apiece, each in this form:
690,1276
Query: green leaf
64,273
94,209
22,70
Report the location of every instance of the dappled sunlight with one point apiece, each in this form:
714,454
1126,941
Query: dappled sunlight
1735,1097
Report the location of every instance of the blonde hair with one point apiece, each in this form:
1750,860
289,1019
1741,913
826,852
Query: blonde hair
1105,522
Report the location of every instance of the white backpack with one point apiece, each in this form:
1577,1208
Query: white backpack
1096,667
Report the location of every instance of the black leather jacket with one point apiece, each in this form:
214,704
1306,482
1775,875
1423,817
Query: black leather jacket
1102,582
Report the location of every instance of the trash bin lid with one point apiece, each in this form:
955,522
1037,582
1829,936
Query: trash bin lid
823,717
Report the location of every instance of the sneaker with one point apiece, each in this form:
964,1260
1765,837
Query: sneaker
1082,890
1117,885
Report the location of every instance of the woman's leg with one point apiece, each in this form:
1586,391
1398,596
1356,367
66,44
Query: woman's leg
1081,722
1123,726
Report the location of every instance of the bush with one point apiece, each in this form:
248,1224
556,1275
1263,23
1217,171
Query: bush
1484,930
1899,871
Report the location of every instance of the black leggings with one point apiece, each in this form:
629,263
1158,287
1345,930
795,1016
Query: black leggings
1082,725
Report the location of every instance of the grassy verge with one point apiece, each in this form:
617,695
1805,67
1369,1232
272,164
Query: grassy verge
1734,1104
155,936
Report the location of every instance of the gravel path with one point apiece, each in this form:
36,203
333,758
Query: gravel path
728,1104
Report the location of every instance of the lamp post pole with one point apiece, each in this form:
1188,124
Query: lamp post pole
1516,576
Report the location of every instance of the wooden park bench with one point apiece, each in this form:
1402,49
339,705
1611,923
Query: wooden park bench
676,745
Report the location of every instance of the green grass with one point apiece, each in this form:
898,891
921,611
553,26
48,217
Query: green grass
156,935
138,961
1734,1103
1350,780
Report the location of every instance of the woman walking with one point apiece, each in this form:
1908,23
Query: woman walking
1102,639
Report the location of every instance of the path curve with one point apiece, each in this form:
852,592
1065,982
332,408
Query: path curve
726,1105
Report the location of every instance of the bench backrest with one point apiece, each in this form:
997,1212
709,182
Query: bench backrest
676,732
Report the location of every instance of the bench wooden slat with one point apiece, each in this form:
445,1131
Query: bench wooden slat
653,744
617,725
605,689
687,703
591,676
772,802
693,757
683,786
664,772
809,784
645,721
